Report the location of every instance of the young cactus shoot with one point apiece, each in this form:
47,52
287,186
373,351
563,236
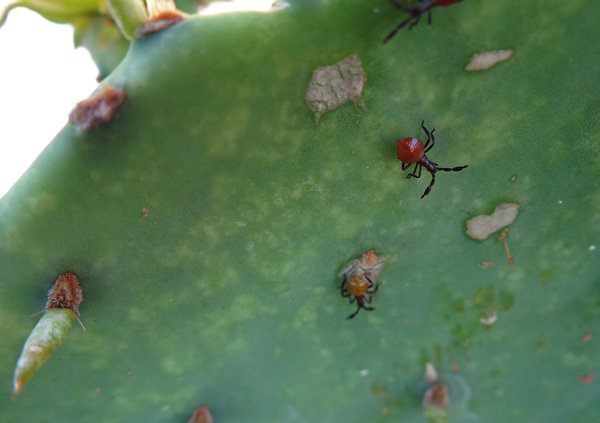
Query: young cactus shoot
62,308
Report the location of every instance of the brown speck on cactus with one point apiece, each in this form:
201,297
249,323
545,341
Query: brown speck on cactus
201,415
62,308
98,109
331,86
159,22
587,379
587,337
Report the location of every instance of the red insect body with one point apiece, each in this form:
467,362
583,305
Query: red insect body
444,2
410,150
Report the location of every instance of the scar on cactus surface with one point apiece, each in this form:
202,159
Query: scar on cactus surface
486,60
62,308
201,415
411,150
424,6
334,85
97,109
159,23
480,227
359,280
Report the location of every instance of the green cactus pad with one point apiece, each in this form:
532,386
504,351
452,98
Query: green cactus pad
208,222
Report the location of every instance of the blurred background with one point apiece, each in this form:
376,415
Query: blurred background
42,76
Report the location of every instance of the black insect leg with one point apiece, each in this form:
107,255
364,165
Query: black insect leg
429,16
343,284
416,172
398,28
428,189
405,165
452,169
416,21
400,7
355,313
430,137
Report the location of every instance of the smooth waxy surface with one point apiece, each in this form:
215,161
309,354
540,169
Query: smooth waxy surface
227,292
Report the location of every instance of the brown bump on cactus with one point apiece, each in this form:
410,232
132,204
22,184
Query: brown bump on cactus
97,109
587,379
159,23
201,415
62,308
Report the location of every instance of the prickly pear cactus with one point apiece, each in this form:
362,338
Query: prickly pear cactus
209,219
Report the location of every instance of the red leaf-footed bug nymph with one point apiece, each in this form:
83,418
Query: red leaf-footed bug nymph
416,12
411,150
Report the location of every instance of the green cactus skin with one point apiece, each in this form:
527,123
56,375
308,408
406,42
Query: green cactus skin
226,293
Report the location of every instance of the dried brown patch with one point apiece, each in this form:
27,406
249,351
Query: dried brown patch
98,109
159,23
587,337
66,293
146,211
331,86
587,379
201,415
436,396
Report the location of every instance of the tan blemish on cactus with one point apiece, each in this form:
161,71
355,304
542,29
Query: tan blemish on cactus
480,227
487,59
146,211
97,109
587,379
486,264
159,23
489,320
334,85
62,308
586,338
201,415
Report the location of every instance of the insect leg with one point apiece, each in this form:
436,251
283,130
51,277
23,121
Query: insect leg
355,313
400,7
405,165
429,16
416,21
398,28
452,169
430,185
